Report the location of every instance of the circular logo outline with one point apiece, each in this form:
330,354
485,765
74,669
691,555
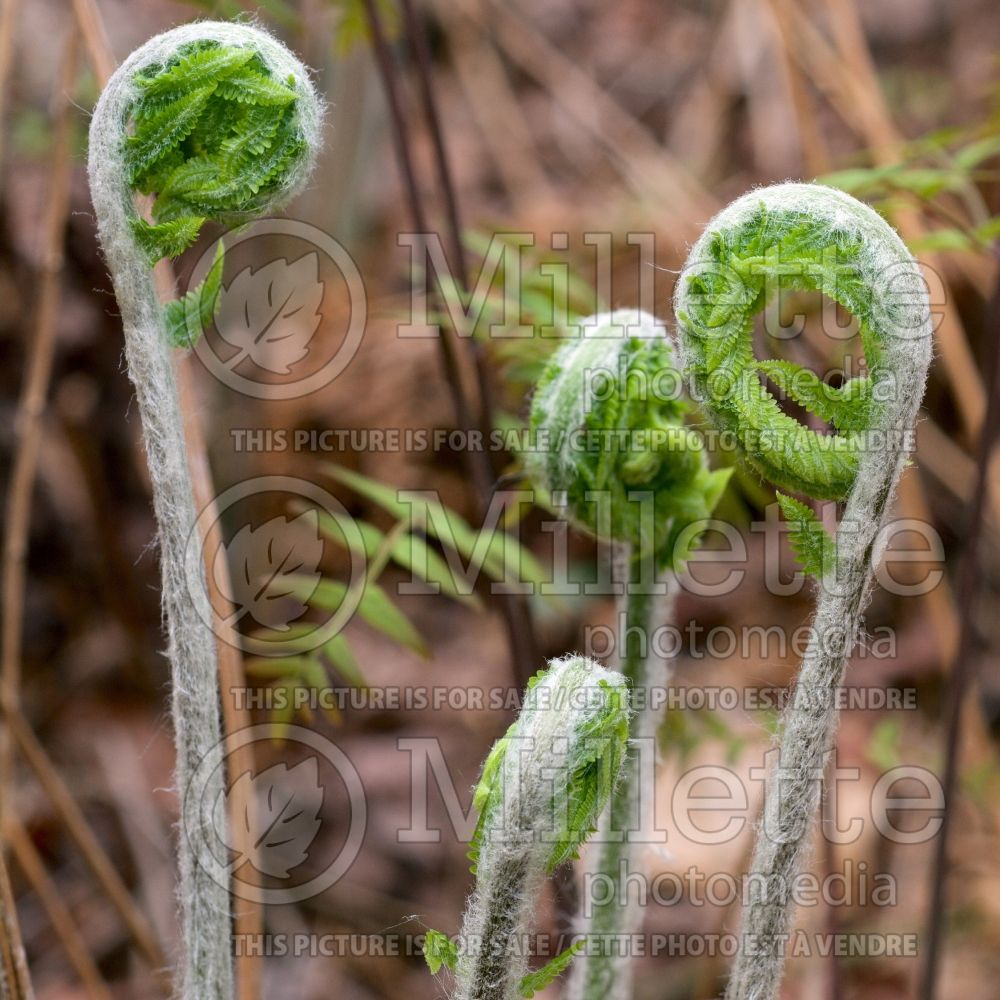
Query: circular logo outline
201,781
357,291
195,570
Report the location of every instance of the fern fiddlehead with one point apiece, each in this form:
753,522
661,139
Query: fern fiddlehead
212,121
608,408
542,788
810,237
612,443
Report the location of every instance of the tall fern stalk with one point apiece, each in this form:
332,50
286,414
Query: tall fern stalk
615,454
800,236
211,121
604,972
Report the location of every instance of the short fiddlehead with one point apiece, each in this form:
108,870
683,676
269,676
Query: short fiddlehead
211,121
811,237
542,788
614,452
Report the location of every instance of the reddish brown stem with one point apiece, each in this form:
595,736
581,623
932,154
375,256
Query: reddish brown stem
520,634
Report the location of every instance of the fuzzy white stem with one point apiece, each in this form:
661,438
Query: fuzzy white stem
202,894
203,877
518,839
604,971
807,733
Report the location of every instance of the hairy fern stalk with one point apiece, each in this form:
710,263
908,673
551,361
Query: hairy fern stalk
211,121
804,236
622,464
542,788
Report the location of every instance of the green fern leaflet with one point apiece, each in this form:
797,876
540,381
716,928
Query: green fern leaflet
187,317
213,135
814,547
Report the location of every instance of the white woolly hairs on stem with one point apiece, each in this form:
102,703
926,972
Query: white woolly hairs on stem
604,970
563,404
203,877
899,294
518,838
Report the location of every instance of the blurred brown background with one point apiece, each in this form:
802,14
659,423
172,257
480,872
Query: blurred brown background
569,116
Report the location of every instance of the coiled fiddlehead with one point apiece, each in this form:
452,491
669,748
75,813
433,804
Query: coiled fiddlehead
807,236
214,121
611,440
211,122
542,788
609,423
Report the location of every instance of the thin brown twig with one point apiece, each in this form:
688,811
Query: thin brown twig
9,10
418,41
16,983
30,862
514,610
962,672
812,142
95,39
27,437
87,843
401,143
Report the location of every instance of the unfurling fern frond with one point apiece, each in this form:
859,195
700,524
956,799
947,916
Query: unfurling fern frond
542,787
805,236
613,444
170,104
217,133
593,758
797,236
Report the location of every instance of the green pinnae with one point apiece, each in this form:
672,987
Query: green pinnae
611,439
213,136
541,791
807,236
595,747
791,237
